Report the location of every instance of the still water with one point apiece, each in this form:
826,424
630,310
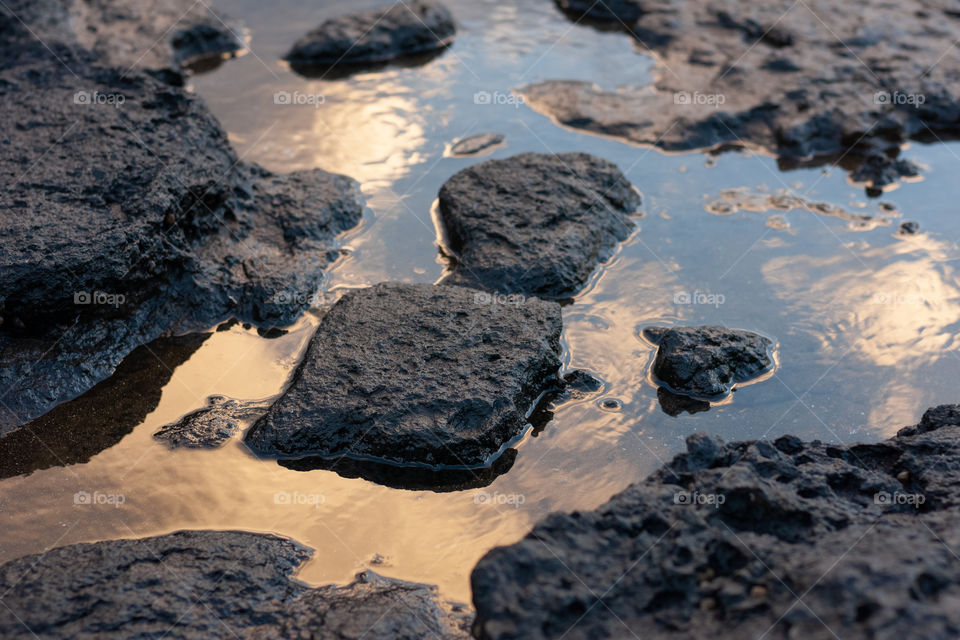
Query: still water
864,318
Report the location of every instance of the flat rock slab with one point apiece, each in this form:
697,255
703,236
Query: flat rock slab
478,143
535,224
782,539
212,426
146,34
127,215
816,79
403,29
415,375
207,584
706,362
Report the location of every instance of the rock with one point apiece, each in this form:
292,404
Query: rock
535,224
415,375
807,83
781,540
475,144
706,362
909,228
212,426
126,215
77,430
207,584
371,37
146,34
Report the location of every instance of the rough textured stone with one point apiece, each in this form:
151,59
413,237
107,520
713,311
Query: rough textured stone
147,34
781,539
126,215
807,81
403,29
212,426
415,375
473,145
535,224
207,584
706,362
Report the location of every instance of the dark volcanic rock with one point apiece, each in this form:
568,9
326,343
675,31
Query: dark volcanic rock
780,540
126,215
147,34
212,426
475,144
818,79
77,430
415,375
535,224
403,29
207,584
706,362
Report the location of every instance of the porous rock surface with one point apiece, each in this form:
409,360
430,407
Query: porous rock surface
782,539
146,34
402,29
211,426
415,374
535,224
815,79
207,584
705,362
472,145
126,215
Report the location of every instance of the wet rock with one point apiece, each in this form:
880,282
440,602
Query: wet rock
782,539
476,144
207,584
77,430
415,375
403,29
620,12
126,215
212,426
909,228
535,224
817,80
706,362
146,34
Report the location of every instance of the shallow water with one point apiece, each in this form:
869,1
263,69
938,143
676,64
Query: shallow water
864,319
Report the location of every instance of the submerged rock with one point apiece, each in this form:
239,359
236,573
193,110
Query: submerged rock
781,539
126,215
415,375
535,224
817,80
476,144
706,362
212,426
146,34
207,584
403,29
